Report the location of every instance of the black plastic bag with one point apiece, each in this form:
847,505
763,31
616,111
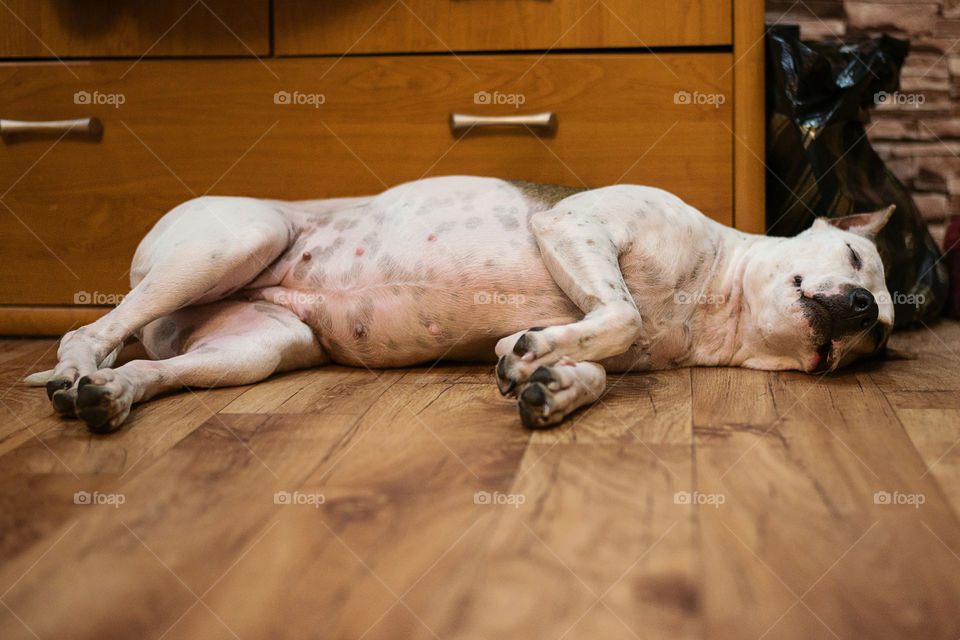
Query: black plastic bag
820,162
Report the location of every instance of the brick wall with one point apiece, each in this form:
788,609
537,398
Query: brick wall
918,132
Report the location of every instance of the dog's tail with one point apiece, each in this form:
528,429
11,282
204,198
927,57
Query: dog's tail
38,379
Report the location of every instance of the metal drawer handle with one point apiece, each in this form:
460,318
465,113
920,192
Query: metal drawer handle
86,127
546,121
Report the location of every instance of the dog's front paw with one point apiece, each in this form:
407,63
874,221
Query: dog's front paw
550,394
531,350
103,401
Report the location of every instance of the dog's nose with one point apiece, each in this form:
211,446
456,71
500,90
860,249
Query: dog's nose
862,311
861,300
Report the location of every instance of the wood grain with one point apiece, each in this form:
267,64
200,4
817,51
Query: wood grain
615,536
76,210
134,28
382,26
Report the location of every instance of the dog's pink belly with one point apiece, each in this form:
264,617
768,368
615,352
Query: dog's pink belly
432,291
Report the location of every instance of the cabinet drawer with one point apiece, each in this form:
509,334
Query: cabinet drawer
134,28
379,26
75,209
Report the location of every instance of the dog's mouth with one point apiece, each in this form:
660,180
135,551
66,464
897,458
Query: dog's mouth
821,326
822,364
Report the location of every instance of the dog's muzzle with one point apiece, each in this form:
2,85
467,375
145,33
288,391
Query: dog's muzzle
851,311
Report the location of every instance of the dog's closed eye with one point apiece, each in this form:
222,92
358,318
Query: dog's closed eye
855,258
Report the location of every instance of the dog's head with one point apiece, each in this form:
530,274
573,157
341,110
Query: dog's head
818,301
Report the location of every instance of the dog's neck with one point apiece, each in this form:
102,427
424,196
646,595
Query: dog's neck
730,336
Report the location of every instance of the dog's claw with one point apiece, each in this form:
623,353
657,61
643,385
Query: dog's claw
64,401
57,384
534,406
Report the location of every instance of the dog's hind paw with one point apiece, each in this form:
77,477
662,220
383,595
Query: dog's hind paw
103,401
550,394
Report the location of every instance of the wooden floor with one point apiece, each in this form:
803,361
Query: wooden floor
705,503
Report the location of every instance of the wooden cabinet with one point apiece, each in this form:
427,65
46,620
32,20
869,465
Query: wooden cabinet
72,209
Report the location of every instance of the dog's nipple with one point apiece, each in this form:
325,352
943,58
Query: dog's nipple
360,330
431,237
359,251
306,255
434,330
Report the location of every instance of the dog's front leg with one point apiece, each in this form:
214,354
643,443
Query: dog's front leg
554,368
580,247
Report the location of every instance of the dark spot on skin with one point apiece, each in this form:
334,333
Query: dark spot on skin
345,223
320,220
473,222
372,243
591,242
547,195
446,226
165,330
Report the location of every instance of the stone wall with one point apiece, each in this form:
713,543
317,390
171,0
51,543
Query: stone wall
916,132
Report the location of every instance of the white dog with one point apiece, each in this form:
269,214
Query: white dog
562,284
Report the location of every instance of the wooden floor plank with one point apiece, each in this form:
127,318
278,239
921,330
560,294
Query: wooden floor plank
185,520
801,548
600,547
399,516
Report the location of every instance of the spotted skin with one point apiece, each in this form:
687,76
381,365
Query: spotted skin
560,284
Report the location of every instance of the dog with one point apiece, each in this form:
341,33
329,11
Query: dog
559,285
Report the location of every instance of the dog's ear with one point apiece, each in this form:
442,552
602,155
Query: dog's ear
864,224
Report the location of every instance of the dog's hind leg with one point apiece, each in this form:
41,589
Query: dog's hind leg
580,244
199,252
219,344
